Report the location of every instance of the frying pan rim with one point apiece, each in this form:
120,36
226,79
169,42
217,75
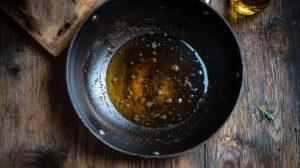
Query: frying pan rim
148,155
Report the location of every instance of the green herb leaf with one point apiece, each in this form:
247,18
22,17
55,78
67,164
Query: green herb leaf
262,116
266,113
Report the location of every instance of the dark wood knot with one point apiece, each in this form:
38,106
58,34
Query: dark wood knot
40,158
14,69
229,164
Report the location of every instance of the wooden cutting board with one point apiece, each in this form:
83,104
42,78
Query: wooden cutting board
51,23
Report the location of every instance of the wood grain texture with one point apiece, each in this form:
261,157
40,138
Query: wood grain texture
51,23
39,127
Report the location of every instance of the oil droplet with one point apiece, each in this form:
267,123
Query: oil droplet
187,82
155,153
160,92
194,89
114,79
169,100
136,117
149,104
154,60
154,45
237,74
101,132
175,67
164,117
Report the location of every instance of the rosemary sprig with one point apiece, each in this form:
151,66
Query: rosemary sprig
267,112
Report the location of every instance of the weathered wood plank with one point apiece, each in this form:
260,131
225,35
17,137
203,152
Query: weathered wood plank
269,43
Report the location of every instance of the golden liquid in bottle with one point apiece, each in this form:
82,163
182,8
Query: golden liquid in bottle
249,7
156,80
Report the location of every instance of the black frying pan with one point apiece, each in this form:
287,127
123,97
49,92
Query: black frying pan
118,21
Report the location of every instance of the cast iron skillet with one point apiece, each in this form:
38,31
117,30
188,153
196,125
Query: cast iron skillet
116,21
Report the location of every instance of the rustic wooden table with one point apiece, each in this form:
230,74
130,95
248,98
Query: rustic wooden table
39,128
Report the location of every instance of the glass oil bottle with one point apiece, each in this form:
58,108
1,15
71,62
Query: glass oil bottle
249,7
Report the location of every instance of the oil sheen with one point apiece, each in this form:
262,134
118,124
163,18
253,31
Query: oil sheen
156,80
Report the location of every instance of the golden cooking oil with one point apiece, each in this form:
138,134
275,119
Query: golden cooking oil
156,80
249,7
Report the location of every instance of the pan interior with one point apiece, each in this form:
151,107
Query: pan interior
121,21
